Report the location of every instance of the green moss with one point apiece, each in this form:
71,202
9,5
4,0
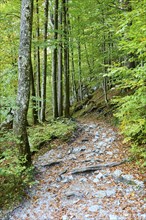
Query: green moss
61,129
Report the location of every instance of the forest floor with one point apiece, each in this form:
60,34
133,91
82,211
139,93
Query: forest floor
89,178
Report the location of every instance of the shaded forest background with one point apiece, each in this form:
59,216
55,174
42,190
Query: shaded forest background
79,49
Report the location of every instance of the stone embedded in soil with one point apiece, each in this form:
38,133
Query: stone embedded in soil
114,217
109,153
110,192
92,126
139,183
94,208
96,180
117,173
100,194
99,175
64,217
128,177
79,149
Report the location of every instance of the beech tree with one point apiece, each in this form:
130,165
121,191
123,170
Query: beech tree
44,77
55,61
24,67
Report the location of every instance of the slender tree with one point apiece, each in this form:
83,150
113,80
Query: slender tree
55,61
44,77
24,67
38,63
60,69
33,94
66,58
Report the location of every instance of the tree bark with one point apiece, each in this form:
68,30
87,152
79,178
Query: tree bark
24,67
38,64
66,59
60,69
34,102
43,105
55,62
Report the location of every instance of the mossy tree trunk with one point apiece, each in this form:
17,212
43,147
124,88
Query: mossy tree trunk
24,67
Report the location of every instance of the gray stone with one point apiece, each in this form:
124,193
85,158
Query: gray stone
69,194
96,180
113,217
139,183
92,126
99,175
79,149
100,194
109,153
128,177
67,179
94,208
117,173
83,180
97,135
102,144
94,140
109,140
104,135
90,155
64,217
110,192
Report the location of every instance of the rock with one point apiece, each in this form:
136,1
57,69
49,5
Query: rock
94,140
109,153
114,217
110,192
64,217
139,183
117,173
97,146
67,179
97,135
100,194
109,140
90,155
73,157
100,175
78,149
96,180
103,135
128,177
83,180
92,126
94,208
102,144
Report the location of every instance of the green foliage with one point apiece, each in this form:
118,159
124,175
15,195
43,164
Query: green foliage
132,116
14,176
61,128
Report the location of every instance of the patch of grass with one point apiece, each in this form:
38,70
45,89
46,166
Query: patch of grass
61,129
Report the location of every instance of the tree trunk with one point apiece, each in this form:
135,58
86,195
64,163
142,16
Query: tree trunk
24,67
43,105
55,62
60,80
74,87
66,59
38,61
34,103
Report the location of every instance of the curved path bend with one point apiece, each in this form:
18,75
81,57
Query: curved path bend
107,193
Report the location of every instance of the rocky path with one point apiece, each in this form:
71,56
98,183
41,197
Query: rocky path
107,193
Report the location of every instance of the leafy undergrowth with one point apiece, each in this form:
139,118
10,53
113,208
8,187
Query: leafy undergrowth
15,178
60,129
